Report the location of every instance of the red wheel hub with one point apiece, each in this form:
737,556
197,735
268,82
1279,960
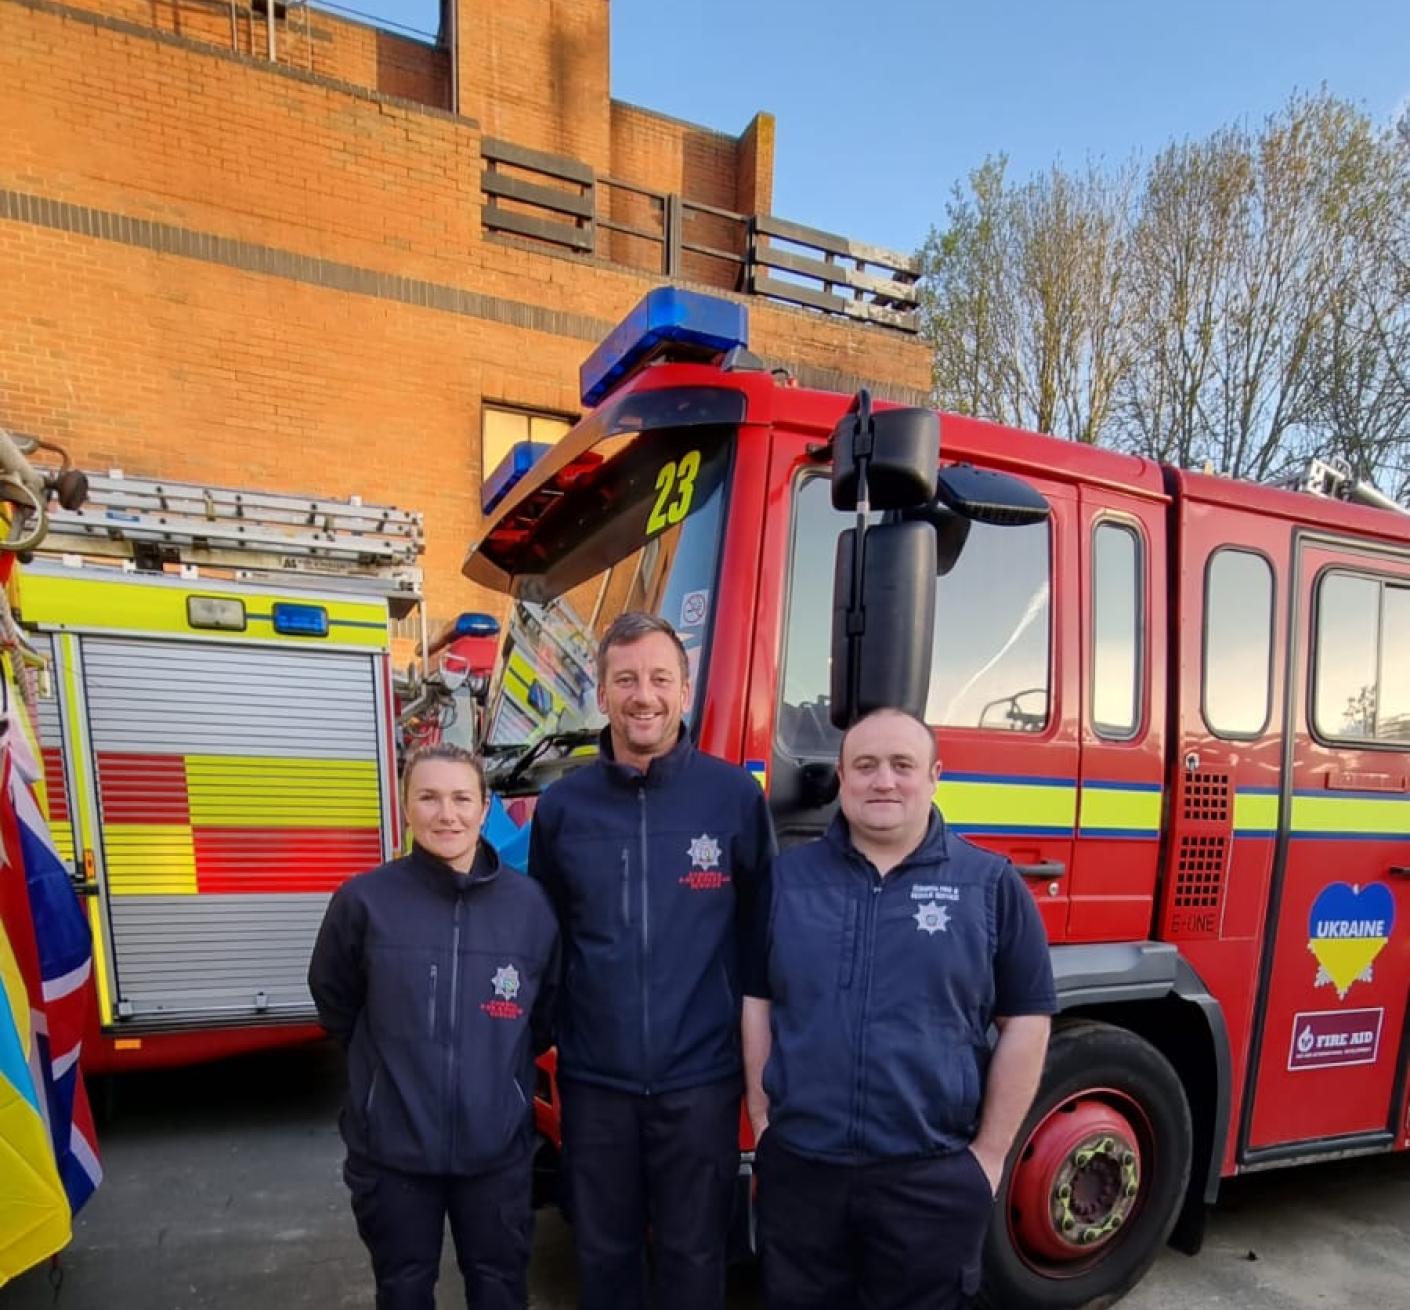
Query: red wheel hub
1077,1179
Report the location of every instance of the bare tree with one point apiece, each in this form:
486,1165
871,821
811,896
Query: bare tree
1193,212
1361,373
1024,301
1243,302
968,307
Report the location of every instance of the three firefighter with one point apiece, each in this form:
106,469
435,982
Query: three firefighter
655,860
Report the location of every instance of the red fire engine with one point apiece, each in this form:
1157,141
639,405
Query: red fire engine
1172,699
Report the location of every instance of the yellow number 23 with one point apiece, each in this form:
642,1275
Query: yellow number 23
675,488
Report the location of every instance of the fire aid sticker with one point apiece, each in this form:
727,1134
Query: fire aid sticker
1332,1039
1348,927
693,607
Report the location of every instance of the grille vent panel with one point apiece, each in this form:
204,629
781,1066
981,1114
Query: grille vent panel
1206,798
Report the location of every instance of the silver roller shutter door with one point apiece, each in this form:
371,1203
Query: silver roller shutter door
221,956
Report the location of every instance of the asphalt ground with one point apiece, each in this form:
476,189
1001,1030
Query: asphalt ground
223,1192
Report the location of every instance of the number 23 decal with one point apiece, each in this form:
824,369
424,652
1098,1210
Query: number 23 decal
675,489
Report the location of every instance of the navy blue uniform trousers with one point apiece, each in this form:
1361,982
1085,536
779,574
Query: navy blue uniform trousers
895,1235
667,1161
401,1219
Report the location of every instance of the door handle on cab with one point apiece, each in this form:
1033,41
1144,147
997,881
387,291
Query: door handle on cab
1043,869
1399,871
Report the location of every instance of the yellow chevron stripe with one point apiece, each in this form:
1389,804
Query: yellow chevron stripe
243,791
118,605
1006,804
150,859
1255,812
1333,813
1120,808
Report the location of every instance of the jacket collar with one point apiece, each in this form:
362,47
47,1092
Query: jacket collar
661,770
934,847
440,877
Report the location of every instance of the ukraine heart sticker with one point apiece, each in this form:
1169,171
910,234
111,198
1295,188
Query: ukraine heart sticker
1348,927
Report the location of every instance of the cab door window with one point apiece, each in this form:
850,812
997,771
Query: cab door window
1238,643
1116,630
991,666
1361,678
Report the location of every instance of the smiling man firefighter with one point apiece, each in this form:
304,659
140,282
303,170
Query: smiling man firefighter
888,948
652,856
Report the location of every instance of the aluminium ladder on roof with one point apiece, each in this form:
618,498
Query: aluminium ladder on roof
262,536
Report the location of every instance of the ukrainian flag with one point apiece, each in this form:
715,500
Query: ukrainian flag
34,1212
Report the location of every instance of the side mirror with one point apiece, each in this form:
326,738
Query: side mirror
951,532
881,648
986,496
818,783
885,460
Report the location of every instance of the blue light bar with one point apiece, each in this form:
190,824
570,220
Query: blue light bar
475,624
665,317
300,620
523,455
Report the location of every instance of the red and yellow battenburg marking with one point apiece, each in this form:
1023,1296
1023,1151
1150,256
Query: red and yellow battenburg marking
54,801
187,824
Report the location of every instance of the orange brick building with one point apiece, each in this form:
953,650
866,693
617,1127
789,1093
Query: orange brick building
337,270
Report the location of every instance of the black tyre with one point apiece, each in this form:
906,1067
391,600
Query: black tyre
1096,1179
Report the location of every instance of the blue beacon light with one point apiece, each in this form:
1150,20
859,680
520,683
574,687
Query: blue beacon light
665,317
294,620
522,456
685,323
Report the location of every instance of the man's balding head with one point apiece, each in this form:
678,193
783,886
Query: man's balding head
922,728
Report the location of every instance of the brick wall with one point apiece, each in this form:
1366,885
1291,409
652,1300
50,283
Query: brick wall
304,38
754,188
535,72
218,270
667,155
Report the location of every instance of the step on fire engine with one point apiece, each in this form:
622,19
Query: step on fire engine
219,742
1179,703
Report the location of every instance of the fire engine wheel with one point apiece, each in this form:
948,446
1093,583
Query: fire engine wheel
1097,1177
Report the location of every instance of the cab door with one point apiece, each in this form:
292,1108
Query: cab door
1004,683
1334,990
1004,696
1116,853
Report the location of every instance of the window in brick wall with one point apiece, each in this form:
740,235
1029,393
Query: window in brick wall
502,427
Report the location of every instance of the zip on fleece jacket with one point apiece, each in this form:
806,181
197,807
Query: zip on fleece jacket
654,877
645,938
880,1049
476,955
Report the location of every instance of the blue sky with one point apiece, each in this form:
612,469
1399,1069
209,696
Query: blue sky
882,105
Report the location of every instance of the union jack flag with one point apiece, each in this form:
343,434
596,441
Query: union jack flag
50,939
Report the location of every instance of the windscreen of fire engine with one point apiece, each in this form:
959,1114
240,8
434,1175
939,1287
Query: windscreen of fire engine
656,517
990,667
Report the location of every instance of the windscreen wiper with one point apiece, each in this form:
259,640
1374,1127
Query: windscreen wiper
564,739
